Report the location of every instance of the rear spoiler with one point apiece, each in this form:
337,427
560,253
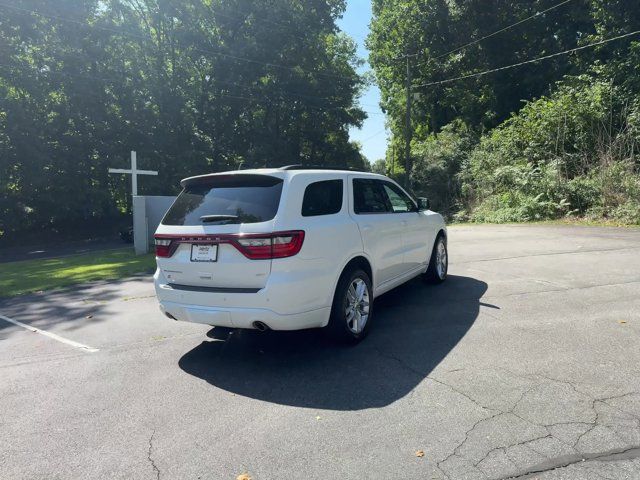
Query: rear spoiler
233,179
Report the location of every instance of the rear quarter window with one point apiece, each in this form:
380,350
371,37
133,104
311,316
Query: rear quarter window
239,198
322,198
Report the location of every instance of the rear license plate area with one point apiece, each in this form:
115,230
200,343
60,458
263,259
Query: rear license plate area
204,253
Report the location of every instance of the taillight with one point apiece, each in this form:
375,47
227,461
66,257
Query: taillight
253,246
163,247
274,245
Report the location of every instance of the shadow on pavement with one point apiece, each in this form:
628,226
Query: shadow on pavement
415,327
71,307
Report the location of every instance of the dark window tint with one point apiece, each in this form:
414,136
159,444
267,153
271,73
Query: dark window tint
369,197
224,199
322,198
399,200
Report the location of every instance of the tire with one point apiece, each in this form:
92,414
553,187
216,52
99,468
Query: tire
351,306
439,261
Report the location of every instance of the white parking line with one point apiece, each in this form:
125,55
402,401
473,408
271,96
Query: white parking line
50,335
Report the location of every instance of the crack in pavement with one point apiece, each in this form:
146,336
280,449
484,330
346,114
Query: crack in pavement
417,372
552,463
460,392
568,460
572,458
594,401
505,447
153,464
466,437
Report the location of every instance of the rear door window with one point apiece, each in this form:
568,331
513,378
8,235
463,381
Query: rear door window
226,199
369,197
322,198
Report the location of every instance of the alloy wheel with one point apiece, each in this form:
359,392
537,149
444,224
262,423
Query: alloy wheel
441,259
357,309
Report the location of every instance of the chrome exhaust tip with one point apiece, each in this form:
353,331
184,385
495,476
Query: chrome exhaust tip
263,327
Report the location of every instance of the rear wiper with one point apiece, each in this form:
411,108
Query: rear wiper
218,218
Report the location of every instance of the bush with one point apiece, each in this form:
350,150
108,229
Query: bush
437,163
573,153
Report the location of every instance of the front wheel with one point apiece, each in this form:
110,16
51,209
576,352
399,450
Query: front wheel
439,262
352,307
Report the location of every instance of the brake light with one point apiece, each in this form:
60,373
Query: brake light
163,247
275,245
253,246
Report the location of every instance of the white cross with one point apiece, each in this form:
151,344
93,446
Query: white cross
134,172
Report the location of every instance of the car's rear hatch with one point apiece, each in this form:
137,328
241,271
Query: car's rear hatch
219,232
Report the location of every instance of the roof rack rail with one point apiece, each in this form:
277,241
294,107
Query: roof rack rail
315,167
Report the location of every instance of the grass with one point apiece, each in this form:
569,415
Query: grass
17,278
560,221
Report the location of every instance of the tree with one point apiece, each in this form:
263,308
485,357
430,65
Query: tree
200,86
430,31
379,166
530,142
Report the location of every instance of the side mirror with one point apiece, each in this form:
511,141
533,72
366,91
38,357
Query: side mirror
423,203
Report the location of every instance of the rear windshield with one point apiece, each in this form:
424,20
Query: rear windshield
226,199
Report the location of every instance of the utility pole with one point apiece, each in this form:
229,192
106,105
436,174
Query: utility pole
393,159
407,133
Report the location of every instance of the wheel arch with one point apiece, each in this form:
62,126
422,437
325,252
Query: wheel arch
357,261
362,262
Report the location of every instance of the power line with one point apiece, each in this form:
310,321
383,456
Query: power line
533,60
509,27
374,135
473,42
198,49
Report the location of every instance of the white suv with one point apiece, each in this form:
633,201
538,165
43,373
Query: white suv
292,248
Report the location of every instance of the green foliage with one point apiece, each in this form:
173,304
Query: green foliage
430,31
438,159
379,166
556,138
193,87
573,153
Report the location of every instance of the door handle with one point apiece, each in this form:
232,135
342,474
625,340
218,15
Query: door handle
404,222
366,228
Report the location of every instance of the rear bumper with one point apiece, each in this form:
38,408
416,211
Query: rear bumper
281,305
245,317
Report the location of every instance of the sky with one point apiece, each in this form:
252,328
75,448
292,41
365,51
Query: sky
372,135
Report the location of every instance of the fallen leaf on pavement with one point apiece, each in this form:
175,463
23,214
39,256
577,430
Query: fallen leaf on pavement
420,453
243,476
622,321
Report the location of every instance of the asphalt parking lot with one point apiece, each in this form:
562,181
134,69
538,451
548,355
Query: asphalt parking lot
524,364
